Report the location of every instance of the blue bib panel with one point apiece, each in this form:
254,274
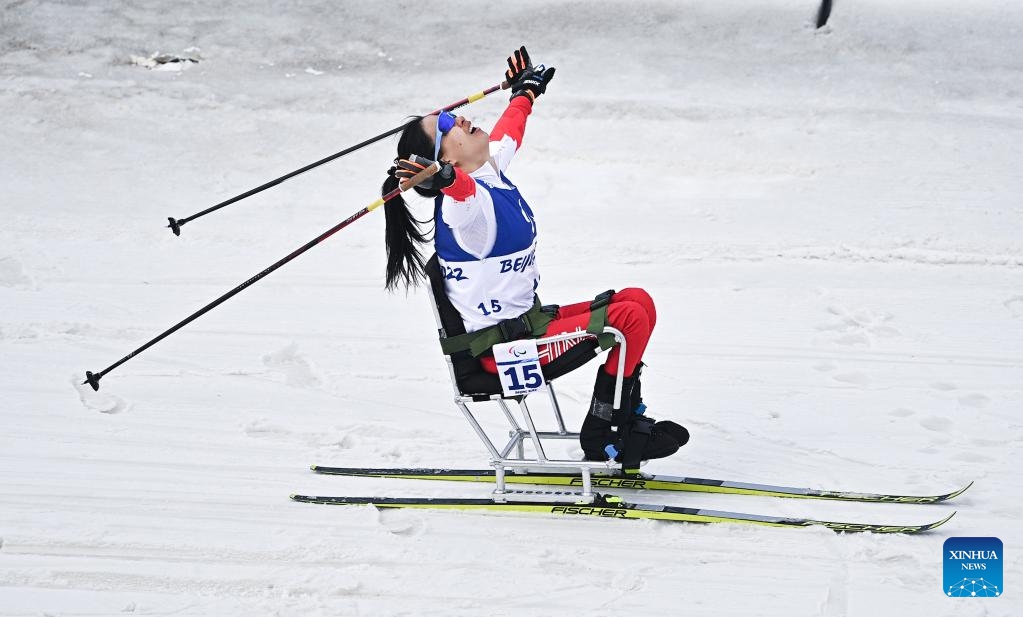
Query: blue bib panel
502,284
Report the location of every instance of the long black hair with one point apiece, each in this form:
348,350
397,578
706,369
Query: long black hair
403,235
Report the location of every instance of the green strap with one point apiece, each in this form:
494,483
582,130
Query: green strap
536,322
479,342
598,319
459,342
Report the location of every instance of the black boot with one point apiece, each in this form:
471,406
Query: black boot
597,432
636,404
636,439
595,435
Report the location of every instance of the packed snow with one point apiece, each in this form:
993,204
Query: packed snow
829,220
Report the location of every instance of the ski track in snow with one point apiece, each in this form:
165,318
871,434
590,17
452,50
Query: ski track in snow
828,220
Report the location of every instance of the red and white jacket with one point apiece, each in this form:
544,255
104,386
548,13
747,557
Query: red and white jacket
486,235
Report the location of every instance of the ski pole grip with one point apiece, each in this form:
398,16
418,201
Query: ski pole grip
413,181
420,177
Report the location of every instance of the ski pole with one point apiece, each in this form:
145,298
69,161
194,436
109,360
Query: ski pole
93,378
823,13
175,224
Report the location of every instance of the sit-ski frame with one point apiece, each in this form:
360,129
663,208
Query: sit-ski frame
503,460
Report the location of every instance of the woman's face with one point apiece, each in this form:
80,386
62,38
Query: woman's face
464,146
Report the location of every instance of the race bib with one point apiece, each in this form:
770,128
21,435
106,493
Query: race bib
518,366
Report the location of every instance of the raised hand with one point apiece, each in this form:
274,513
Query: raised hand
405,169
533,82
518,64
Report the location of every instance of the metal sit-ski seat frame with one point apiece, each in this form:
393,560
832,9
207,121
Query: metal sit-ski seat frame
512,456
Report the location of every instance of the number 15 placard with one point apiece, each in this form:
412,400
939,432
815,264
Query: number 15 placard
518,366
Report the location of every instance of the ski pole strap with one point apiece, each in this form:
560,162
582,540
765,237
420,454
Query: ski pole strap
532,323
598,320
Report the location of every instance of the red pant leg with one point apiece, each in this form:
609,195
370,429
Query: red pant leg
629,294
641,297
631,312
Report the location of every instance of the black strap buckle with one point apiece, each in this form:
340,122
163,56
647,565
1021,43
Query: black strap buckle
515,328
602,300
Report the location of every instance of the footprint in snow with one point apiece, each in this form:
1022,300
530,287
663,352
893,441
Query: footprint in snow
860,327
856,379
1015,306
338,438
988,443
936,423
853,338
293,365
402,522
628,582
975,400
264,427
972,457
12,274
102,402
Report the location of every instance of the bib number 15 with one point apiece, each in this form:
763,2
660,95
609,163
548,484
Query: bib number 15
495,307
529,374
518,366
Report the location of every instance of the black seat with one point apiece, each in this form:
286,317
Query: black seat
471,379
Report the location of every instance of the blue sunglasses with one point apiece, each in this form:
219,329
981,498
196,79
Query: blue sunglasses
445,122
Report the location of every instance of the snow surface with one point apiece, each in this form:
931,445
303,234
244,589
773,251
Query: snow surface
830,222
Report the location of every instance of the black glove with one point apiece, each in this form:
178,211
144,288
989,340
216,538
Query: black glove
518,64
405,169
533,82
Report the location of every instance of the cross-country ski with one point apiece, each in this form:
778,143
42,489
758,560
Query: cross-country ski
612,507
642,481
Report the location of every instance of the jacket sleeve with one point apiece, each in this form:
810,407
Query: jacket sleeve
506,138
463,188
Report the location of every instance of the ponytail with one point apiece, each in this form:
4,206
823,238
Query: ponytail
403,235
405,264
